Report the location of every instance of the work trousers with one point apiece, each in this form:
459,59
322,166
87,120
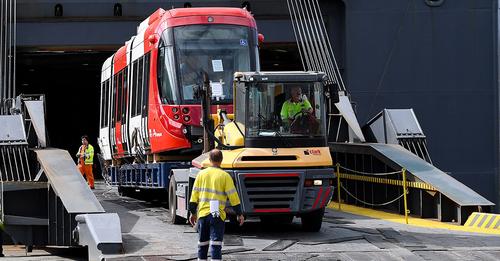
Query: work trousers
211,231
86,170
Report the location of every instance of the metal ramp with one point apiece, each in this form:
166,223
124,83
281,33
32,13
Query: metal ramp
66,182
44,199
61,211
434,194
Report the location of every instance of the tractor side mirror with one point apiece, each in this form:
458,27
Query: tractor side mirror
260,37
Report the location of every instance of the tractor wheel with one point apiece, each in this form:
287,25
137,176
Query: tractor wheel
172,203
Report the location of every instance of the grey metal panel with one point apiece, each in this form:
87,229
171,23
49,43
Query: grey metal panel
75,33
377,129
391,136
19,185
389,125
25,221
12,128
404,121
101,233
37,116
181,175
345,108
447,185
67,182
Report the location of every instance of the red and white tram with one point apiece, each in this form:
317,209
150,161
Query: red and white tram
147,102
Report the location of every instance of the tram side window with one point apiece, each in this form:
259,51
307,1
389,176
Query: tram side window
115,103
101,118
146,82
165,71
110,101
106,104
133,91
104,101
125,94
119,87
140,74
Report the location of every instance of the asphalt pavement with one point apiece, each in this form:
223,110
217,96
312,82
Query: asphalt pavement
147,235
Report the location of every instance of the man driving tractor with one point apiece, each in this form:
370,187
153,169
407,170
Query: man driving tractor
296,106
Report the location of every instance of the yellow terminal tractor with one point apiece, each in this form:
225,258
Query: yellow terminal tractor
275,149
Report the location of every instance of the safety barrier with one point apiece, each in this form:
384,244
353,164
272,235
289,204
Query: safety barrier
483,220
376,178
432,193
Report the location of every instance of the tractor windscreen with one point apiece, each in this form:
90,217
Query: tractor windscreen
219,50
286,110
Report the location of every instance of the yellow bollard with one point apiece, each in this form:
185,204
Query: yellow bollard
338,184
404,195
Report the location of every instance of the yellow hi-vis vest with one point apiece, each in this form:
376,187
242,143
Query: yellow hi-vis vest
88,154
213,184
290,108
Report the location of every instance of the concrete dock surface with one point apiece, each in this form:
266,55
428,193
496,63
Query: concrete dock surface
147,235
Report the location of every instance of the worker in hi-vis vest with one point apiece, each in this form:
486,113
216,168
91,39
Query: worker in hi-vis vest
85,157
211,191
297,104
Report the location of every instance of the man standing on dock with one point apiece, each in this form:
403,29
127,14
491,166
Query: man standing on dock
86,160
212,189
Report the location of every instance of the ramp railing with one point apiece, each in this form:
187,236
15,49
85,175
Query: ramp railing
400,180
14,163
379,173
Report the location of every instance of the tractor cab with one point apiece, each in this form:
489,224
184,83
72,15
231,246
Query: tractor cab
281,109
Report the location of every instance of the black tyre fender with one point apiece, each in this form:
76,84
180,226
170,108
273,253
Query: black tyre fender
172,203
312,221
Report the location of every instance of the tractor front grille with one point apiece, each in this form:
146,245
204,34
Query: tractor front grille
271,191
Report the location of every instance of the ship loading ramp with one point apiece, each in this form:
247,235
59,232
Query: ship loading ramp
372,160
44,199
431,192
371,174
